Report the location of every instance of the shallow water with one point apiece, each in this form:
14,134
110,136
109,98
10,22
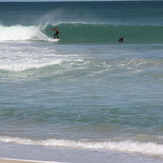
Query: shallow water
94,102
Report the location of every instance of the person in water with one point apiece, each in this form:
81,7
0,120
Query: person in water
121,39
57,32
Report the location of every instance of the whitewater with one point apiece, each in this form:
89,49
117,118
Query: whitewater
86,98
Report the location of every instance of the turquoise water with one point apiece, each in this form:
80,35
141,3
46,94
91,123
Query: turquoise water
86,98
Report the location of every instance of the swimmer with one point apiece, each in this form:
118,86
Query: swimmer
121,39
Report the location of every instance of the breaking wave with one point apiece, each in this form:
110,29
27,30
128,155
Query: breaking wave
148,148
83,33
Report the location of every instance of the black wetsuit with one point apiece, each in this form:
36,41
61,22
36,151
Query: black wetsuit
56,34
121,39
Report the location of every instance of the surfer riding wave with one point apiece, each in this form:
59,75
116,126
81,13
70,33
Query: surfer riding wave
56,33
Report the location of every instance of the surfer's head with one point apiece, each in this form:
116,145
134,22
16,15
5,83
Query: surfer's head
121,39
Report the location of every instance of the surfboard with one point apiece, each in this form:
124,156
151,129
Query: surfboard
56,40
52,39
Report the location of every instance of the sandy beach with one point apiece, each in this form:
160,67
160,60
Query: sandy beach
24,161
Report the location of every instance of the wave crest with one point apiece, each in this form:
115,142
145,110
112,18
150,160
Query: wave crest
83,33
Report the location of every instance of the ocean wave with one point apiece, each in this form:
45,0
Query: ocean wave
19,67
72,65
148,148
83,33
18,32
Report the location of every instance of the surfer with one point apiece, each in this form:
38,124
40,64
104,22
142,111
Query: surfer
121,39
56,33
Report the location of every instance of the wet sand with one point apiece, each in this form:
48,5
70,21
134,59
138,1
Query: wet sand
24,161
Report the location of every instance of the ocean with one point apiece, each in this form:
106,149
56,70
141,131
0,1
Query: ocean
86,98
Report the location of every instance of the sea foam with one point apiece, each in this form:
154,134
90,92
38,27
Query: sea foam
148,148
17,32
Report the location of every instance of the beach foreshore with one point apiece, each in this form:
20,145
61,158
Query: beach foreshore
25,161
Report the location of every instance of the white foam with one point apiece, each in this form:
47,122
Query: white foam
17,32
149,148
23,33
20,57
17,67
